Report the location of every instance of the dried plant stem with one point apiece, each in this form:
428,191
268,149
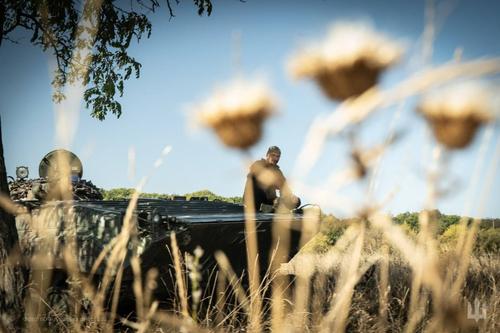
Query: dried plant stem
41,263
486,141
374,175
179,323
336,317
471,234
280,248
116,294
300,319
102,256
383,288
137,288
181,289
147,320
234,281
429,32
150,286
310,226
116,257
279,295
10,206
67,111
319,299
417,313
416,300
112,264
213,298
221,299
252,260
37,294
416,257
84,285
348,278
473,183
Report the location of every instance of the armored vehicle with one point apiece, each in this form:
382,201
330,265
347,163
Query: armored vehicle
93,226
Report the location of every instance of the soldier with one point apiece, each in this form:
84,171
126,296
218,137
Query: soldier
269,184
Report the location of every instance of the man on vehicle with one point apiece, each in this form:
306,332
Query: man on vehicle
267,185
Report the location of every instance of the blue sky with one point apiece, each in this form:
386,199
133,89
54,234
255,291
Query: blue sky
188,55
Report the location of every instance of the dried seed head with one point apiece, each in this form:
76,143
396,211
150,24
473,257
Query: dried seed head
455,112
237,112
348,62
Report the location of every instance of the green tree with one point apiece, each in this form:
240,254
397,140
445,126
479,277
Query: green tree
212,196
104,27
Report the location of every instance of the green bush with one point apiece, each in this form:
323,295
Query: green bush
331,230
318,244
448,228
487,239
334,233
451,235
409,231
409,219
445,221
442,221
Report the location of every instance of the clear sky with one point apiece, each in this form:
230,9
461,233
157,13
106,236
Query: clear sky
187,56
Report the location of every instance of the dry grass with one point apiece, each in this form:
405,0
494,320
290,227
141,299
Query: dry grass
376,277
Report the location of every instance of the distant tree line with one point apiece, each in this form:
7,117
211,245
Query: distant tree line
446,227
443,221
126,193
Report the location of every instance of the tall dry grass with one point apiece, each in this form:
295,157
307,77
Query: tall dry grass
376,277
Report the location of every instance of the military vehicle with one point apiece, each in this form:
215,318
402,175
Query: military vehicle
92,225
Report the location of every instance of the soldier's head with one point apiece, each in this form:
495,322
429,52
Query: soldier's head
273,155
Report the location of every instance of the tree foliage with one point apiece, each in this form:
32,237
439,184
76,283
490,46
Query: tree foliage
90,42
126,193
447,227
212,196
442,221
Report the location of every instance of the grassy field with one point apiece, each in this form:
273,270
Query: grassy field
349,276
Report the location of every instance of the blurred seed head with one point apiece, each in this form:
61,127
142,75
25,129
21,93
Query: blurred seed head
456,112
348,62
198,252
237,112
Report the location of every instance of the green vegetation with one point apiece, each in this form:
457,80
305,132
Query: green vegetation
212,196
447,228
126,193
487,239
111,28
440,221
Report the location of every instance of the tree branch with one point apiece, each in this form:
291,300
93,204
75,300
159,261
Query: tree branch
7,38
170,10
50,38
2,20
